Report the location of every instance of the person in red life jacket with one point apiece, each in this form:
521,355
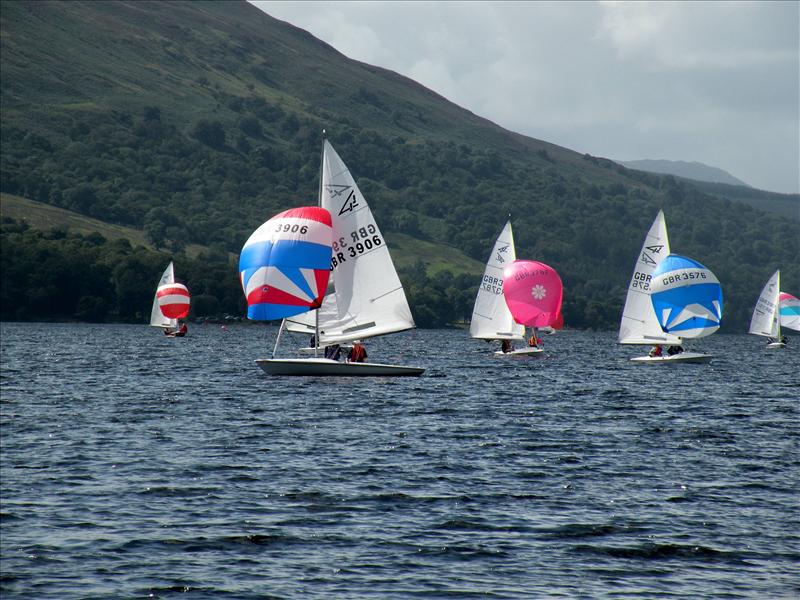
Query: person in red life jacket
534,342
358,353
180,332
655,351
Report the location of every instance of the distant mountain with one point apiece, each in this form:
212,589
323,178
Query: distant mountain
687,170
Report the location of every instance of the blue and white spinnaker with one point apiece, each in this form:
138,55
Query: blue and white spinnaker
686,297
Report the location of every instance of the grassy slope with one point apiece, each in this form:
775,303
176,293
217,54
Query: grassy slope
405,249
45,217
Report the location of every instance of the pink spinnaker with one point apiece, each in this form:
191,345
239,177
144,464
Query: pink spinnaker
533,293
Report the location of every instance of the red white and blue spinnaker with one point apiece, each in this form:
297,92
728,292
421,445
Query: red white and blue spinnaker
285,264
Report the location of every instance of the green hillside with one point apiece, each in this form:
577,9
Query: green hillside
406,250
787,205
46,217
193,122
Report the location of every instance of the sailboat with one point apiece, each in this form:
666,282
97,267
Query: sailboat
364,297
640,323
766,319
170,303
533,293
491,319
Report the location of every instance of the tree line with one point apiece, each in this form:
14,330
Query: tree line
214,181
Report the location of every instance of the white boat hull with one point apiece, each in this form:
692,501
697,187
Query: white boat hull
776,345
328,367
683,357
527,351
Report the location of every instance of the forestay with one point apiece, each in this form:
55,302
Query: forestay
639,324
686,296
491,319
365,297
765,315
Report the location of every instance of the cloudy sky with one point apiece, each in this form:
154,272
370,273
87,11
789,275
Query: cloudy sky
713,82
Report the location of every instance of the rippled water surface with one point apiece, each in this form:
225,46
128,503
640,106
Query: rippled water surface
137,466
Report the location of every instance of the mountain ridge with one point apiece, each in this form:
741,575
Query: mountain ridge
687,169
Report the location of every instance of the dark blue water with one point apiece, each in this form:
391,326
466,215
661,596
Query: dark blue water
135,466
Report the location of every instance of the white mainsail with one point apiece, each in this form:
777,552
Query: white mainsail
157,318
639,324
365,296
765,319
491,319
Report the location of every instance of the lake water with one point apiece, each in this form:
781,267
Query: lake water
136,466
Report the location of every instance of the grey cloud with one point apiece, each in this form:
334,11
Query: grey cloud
707,81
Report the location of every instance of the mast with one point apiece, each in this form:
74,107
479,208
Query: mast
319,203
776,312
278,338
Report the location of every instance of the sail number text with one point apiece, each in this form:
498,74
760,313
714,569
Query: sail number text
641,281
290,228
493,285
357,243
685,276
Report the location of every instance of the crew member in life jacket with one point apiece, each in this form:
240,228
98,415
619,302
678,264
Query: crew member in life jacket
180,332
534,342
505,346
357,354
655,351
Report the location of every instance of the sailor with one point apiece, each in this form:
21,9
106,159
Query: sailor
334,351
505,346
358,353
655,351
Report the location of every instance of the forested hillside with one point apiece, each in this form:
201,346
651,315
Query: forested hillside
195,122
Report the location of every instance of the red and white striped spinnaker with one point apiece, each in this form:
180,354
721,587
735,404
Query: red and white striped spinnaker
171,301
